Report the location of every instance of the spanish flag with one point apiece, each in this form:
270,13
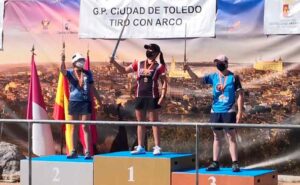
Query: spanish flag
61,108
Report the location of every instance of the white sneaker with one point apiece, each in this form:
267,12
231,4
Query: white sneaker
156,150
138,150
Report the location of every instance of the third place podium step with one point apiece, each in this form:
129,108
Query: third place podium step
122,168
225,176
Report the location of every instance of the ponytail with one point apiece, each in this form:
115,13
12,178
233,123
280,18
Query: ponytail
161,59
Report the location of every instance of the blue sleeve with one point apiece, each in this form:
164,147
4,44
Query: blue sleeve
91,78
208,79
69,75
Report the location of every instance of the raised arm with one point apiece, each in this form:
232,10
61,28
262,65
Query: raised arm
63,65
193,75
121,68
191,72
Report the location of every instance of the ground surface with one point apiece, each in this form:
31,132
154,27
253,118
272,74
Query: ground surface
278,183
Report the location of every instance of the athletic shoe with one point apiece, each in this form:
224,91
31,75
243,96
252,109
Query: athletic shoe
235,167
214,166
138,150
87,156
72,155
156,150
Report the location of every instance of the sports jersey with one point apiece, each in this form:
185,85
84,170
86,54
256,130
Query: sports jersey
78,93
224,91
147,78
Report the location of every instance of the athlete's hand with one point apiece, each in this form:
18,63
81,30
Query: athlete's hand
161,99
186,67
111,60
63,57
239,117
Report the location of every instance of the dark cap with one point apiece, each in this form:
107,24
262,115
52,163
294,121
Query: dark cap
153,47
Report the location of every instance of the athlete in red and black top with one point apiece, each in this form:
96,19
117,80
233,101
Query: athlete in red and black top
148,99
147,78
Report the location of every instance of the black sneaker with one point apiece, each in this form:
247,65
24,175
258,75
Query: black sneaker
214,166
72,155
87,156
235,167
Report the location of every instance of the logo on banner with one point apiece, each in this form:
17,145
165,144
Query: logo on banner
45,24
287,6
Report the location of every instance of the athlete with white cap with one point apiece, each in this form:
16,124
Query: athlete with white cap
226,89
80,101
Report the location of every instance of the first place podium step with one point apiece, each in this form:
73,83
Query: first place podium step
122,168
58,170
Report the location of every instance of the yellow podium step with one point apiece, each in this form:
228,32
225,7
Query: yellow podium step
122,168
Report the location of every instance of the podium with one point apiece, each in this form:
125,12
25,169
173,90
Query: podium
122,168
58,170
225,176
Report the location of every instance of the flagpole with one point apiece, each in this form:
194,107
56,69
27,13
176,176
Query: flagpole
30,137
185,59
29,151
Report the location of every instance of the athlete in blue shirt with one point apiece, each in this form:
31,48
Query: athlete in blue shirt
80,101
227,89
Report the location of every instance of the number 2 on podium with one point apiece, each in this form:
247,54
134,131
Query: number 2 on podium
56,175
131,174
212,180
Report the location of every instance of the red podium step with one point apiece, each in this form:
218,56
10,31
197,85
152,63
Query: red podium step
226,177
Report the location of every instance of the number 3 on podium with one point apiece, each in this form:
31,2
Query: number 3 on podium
212,180
131,174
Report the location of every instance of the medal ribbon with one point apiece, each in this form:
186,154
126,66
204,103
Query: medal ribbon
222,85
146,70
80,79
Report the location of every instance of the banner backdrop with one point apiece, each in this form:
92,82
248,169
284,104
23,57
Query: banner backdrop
282,17
239,24
147,19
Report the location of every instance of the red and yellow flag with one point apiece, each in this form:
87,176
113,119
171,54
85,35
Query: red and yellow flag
93,128
61,106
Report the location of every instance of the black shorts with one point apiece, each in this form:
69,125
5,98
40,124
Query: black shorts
229,117
80,107
146,103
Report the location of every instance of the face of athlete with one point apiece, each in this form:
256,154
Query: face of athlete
79,64
151,55
221,65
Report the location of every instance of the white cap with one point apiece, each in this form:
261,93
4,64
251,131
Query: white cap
222,58
76,57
